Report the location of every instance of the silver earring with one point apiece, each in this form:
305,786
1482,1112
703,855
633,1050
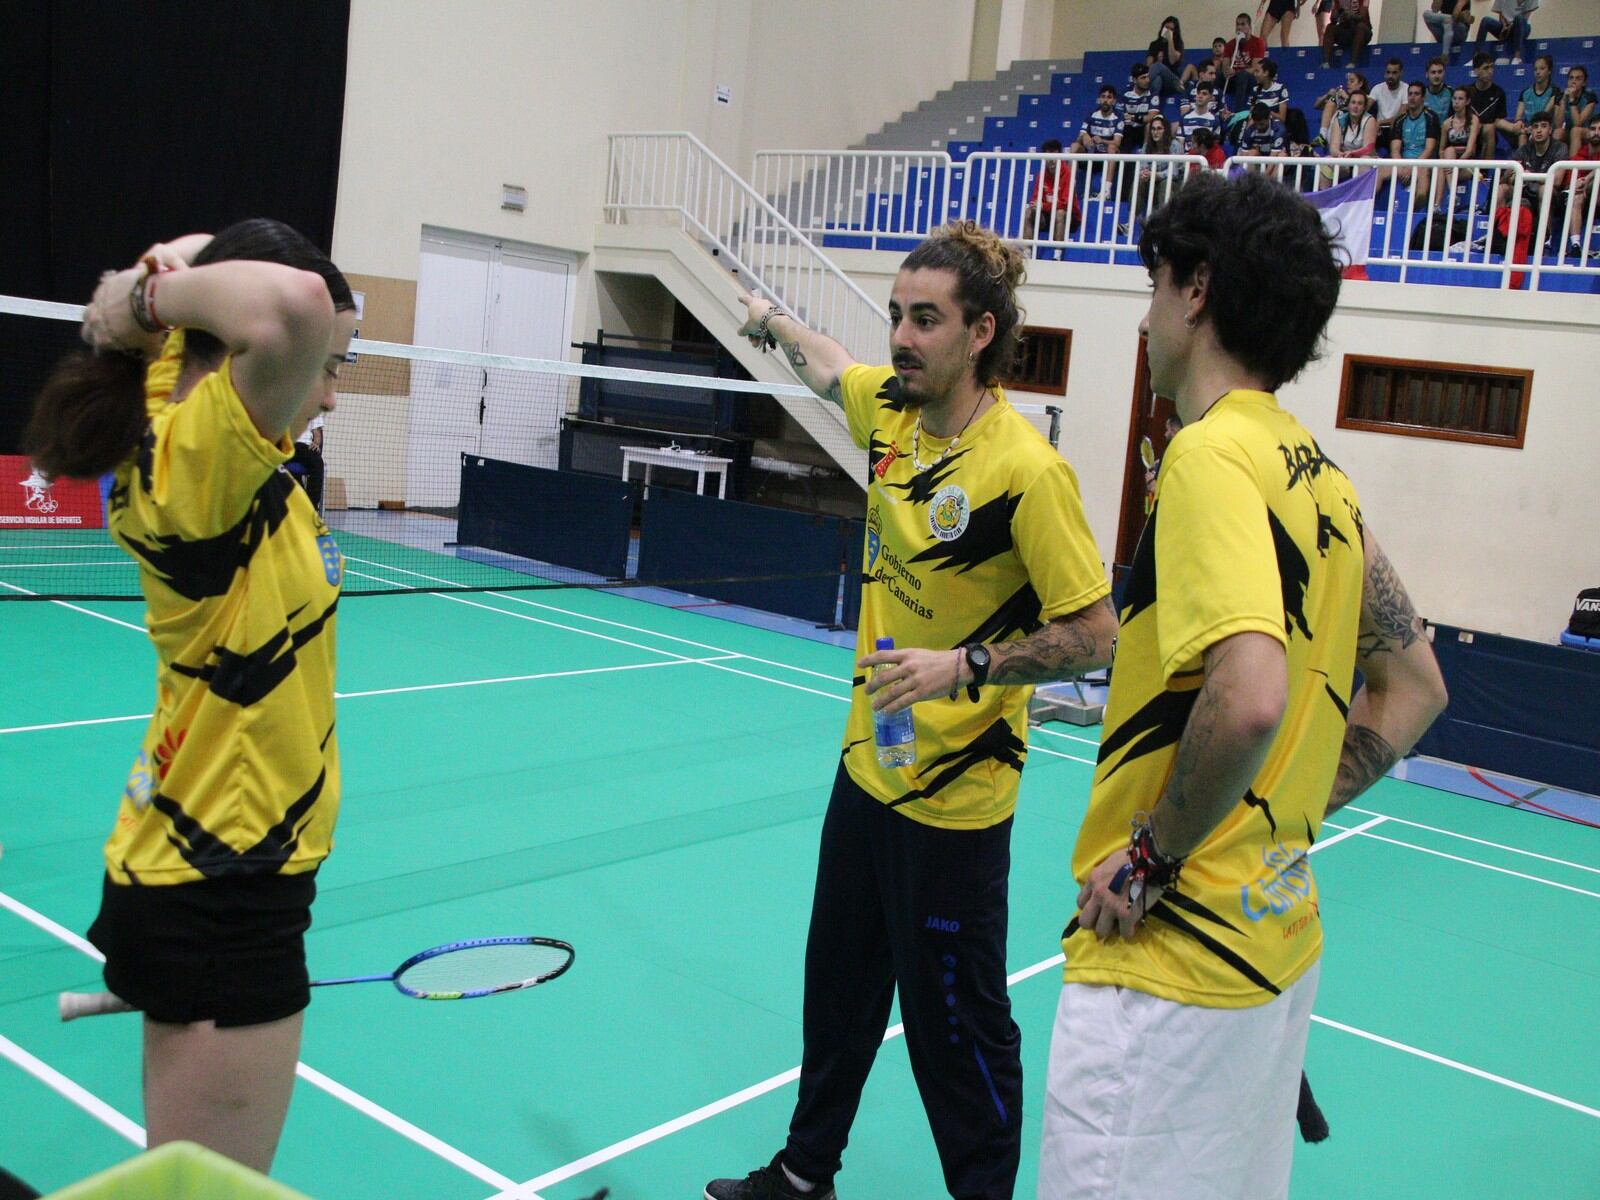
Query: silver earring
1190,322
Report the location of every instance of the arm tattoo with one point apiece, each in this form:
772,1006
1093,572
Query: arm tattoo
791,351
836,393
1391,623
1062,648
1363,760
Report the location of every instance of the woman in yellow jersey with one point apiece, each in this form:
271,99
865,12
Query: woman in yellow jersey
230,804
1256,592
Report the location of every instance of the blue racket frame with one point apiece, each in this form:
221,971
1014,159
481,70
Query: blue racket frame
434,952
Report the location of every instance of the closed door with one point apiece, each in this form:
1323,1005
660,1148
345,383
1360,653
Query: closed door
447,399
528,318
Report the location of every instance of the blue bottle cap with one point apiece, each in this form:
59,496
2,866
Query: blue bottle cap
885,643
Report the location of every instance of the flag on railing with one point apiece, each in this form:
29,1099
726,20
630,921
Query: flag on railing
1346,210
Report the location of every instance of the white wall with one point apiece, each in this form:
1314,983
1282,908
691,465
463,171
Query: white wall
1490,538
444,103
825,73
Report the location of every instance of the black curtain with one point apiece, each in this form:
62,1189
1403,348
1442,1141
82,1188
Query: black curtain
128,123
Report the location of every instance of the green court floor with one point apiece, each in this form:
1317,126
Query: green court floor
649,784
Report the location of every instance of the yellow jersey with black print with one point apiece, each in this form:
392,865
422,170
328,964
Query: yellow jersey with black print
239,770
1254,530
984,543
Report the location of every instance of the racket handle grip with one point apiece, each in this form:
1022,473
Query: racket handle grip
91,1004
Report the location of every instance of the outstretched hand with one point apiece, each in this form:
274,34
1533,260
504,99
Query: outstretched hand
755,308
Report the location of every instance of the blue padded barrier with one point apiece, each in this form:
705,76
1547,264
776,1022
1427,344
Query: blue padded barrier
567,518
685,536
1518,707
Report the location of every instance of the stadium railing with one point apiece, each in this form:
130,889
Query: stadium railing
677,175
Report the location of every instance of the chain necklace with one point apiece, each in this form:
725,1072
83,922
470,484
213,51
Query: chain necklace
916,437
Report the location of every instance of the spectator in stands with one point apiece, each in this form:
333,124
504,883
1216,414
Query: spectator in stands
1333,102
1415,135
1506,216
1155,182
1219,58
1488,105
1542,151
1052,200
1322,13
1576,107
1242,53
1540,96
1388,98
1280,15
1269,91
1139,104
1208,76
1353,135
1437,94
1457,135
1165,60
1102,132
1263,137
1581,188
1209,146
1203,115
1351,26
1509,25
1448,21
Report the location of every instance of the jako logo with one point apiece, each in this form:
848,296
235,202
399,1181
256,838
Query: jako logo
943,925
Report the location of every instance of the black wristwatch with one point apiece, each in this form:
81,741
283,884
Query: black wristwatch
978,660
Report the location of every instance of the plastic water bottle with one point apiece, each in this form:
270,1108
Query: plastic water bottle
895,733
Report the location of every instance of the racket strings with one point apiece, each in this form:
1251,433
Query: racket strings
482,968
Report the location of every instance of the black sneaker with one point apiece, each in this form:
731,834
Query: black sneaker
769,1183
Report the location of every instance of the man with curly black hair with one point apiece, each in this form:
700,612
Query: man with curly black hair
1231,730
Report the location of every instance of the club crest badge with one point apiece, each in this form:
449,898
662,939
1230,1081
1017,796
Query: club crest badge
949,513
332,560
874,538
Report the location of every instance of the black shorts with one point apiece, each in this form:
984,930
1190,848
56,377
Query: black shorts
225,950
1278,9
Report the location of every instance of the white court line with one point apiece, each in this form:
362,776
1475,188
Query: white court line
416,687
1480,841
85,611
312,1076
1346,831
704,1113
1071,737
715,666
1060,754
1471,862
73,724
618,1149
1459,1066
60,546
109,562
434,687
666,637
72,1092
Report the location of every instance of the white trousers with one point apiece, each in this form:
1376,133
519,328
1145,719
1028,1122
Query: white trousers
1151,1098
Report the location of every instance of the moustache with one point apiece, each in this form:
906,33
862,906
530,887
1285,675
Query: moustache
900,363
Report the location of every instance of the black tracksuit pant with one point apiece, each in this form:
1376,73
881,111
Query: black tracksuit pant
907,904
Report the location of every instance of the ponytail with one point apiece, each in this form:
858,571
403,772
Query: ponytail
89,416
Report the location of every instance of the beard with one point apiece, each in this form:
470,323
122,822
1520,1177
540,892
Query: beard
913,394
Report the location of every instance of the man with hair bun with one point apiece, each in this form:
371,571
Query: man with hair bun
1232,729
979,564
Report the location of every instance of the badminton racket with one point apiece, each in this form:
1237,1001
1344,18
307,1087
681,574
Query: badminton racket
456,971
